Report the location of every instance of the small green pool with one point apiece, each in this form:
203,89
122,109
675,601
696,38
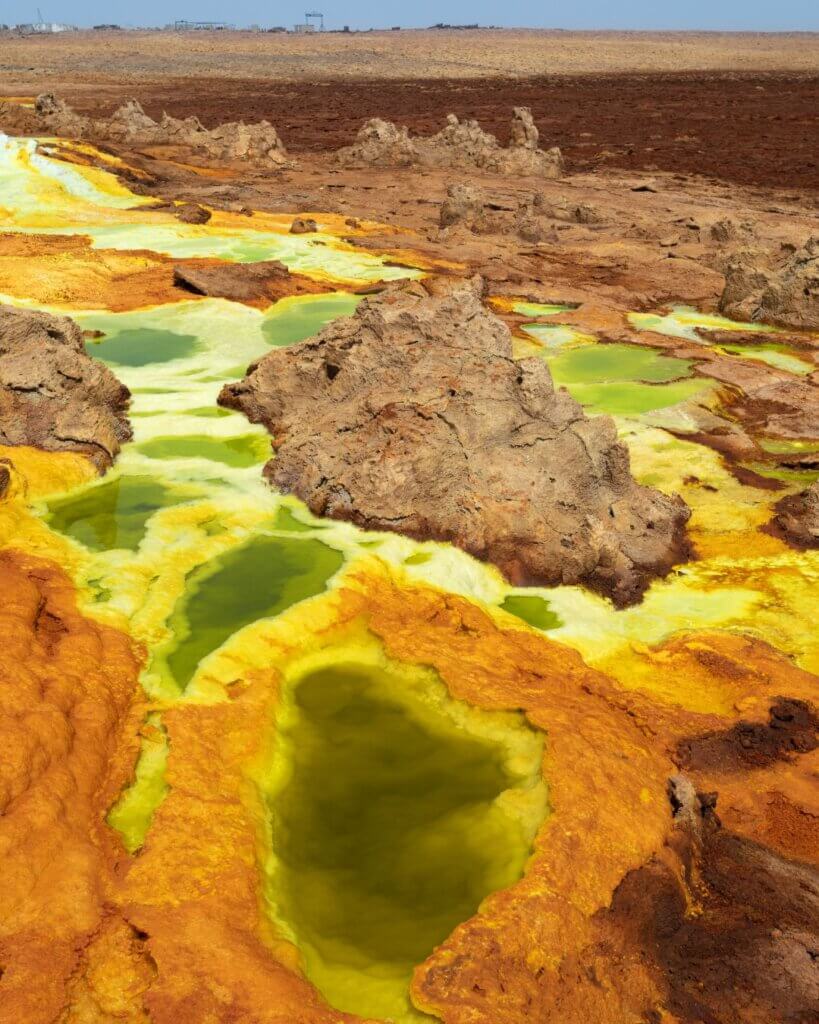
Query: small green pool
255,581
142,346
113,514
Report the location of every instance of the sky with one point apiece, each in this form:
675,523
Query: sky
730,15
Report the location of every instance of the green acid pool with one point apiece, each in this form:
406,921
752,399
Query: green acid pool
396,812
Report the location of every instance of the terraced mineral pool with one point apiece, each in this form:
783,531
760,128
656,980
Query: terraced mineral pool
395,811
623,380
684,322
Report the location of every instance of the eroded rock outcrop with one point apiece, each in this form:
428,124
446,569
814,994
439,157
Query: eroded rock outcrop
780,291
464,206
755,930
413,416
255,143
52,394
459,144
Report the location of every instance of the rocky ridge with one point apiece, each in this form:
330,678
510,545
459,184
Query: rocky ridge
412,416
255,143
459,144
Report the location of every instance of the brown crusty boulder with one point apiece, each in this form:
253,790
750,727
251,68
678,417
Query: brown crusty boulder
783,290
797,518
53,395
257,283
413,416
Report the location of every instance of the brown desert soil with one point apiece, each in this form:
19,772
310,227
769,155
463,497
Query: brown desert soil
757,129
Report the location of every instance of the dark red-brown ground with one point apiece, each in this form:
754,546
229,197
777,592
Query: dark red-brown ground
755,129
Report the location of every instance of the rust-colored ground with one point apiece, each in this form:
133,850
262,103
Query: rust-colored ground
754,128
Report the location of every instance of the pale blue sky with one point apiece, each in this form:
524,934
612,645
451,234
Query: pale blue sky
740,15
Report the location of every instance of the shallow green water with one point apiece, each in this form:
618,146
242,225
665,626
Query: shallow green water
541,308
685,322
532,609
252,582
232,451
616,362
782,357
623,380
113,514
388,830
141,347
285,325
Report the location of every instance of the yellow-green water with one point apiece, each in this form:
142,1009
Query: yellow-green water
395,811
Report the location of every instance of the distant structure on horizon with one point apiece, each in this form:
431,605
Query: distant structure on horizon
201,26
43,28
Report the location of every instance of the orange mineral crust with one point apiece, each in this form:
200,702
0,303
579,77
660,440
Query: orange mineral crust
180,932
195,886
69,704
65,271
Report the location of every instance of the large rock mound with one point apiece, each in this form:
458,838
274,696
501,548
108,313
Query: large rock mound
254,143
460,144
413,416
52,394
784,292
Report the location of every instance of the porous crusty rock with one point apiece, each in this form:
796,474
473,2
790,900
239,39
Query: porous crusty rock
303,226
52,394
567,210
413,416
459,144
462,205
255,143
56,114
380,144
783,291
523,130
192,213
797,518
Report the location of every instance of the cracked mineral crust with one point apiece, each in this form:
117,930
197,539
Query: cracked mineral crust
413,416
53,395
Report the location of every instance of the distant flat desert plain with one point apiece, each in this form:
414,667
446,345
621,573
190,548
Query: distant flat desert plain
741,107
403,54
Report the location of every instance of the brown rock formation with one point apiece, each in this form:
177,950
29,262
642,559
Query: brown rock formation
253,283
754,931
413,416
303,226
567,210
257,143
780,291
797,518
192,213
463,205
459,144
52,394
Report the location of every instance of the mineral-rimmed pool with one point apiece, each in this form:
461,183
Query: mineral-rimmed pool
394,812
